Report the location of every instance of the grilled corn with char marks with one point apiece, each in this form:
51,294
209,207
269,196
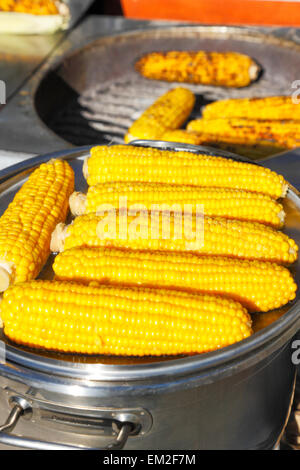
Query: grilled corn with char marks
168,112
249,131
227,69
33,7
272,108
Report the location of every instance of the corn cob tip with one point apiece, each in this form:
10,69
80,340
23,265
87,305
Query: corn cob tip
285,188
58,238
77,203
129,137
281,217
6,274
85,169
254,70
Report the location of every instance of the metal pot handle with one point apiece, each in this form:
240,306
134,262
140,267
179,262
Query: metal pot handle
34,444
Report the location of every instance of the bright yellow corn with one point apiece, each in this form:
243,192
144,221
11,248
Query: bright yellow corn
238,130
259,286
128,322
170,232
33,7
270,108
169,111
29,220
229,69
131,163
222,202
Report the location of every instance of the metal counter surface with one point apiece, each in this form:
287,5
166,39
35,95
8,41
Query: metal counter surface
21,129
22,55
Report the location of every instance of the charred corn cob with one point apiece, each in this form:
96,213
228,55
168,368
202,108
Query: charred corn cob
259,286
169,111
253,151
29,220
182,136
33,7
228,69
104,320
130,163
228,203
271,108
285,134
176,232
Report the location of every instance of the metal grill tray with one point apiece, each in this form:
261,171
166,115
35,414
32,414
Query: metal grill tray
13,177
102,94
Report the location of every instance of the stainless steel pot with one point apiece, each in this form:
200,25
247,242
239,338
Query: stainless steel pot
236,398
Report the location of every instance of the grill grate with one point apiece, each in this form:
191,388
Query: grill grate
105,112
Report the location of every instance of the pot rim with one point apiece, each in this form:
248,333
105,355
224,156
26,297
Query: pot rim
277,333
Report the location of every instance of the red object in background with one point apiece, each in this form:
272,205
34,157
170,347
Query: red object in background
234,12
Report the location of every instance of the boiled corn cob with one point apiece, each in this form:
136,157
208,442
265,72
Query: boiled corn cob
170,232
285,134
228,203
228,69
71,317
169,111
130,163
33,7
29,220
259,286
270,108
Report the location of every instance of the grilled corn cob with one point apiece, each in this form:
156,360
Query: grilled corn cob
170,232
285,134
182,136
258,286
270,108
29,220
33,7
228,203
228,69
169,111
254,151
106,320
130,163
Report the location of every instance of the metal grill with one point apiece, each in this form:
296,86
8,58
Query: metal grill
106,111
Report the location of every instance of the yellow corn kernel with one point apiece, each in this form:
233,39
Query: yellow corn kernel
133,163
70,317
222,202
169,111
258,286
28,222
229,69
281,108
171,232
